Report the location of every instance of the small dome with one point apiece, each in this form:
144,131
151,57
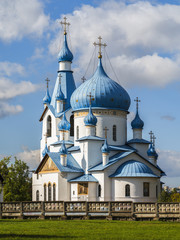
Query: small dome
59,94
90,119
64,124
137,123
47,98
105,147
65,54
106,93
152,152
63,149
133,168
45,150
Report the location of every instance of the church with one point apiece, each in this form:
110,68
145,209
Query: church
85,153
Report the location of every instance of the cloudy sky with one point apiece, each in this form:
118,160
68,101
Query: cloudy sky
143,46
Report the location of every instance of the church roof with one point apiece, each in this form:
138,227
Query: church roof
84,178
65,54
60,142
133,168
45,150
137,123
94,138
136,140
105,92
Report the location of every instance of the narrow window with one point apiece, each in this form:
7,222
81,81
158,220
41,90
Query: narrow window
44,192
77,132
54,192
156,191
49,192
37,195
99,190
127,190
114,133
72,126
146,189
49,126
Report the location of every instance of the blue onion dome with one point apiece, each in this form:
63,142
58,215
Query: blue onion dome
105,147
59,94
137,123
47,98
133,168
45,150
151,152
63,149
65,54
90,119
106,93
64,124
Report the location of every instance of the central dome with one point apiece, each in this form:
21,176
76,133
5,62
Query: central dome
106,93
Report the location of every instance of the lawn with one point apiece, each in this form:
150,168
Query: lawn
88,229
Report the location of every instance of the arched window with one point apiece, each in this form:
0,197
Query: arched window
99,190
49,126
127,190
37,195
44,192
114,133
54,192
49,192
72,126
77,132
146,189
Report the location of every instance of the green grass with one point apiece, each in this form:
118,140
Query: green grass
88,229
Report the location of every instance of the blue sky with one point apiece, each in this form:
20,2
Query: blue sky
143,39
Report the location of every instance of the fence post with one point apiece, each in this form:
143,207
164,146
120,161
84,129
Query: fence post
21,210
109,212
42,210
156,211
0,210
64,217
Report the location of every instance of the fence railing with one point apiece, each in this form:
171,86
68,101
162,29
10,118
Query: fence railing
83,209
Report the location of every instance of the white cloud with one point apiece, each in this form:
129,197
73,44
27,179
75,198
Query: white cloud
6,109
143,40
31,157
19,18
9,68
168,118
38,54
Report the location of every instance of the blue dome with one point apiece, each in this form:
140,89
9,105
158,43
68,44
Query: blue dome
90,119
59,94
45,150
137,123
63,149
105,147
133,168
152,152
64,124
65,54
106,93
47,98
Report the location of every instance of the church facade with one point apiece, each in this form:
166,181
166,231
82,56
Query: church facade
85,154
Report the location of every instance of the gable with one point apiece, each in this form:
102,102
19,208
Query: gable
48,166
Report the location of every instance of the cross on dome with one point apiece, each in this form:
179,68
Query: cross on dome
100,44
47,82
151,135
64,24
90,98
153,139
137,102
105,131
83,79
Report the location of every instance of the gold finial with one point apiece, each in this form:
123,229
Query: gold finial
105,131
83,79
153,139
47,80
137,102
100,44
90,98
151,135
59,75
65,24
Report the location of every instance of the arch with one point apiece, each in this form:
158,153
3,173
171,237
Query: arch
72,126
49,192
45,192
49,126
77,132
114,133
54,192
127,190
37,195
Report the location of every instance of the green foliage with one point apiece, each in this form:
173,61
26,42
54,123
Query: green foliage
175,197
17,183
166,196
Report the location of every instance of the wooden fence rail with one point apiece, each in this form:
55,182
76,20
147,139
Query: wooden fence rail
86,210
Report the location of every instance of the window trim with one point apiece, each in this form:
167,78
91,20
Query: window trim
146,193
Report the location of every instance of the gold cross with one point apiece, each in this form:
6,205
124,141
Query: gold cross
59,75
137,102
83,79
47,80
100,45
151,135
65,24
90,98
105,130
153,138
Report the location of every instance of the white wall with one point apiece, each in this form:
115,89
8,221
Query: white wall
91,196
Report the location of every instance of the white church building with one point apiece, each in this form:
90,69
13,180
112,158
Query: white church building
85,154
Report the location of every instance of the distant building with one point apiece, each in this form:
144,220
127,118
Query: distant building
84,147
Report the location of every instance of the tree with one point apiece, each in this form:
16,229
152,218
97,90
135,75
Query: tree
175,197
17,183
165,196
